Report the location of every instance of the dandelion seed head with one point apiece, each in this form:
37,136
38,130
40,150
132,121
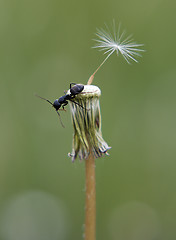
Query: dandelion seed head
118,43
86,121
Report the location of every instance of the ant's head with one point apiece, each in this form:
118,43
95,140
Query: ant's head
56,104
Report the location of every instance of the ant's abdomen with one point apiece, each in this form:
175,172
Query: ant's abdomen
76,89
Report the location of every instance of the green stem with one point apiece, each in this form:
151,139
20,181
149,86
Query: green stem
90,208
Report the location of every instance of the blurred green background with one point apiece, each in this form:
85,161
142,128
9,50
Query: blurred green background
45,45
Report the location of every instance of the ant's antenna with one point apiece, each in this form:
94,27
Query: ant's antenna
92,76
60,119
44,99
52,105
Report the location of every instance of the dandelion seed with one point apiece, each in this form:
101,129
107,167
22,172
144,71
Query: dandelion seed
118,43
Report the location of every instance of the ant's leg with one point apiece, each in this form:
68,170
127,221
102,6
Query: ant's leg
62,109
64,104
85,92
79,105
70,87
72,84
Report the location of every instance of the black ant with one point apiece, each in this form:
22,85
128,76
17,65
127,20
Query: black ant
63,101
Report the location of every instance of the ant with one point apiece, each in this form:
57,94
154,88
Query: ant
63,101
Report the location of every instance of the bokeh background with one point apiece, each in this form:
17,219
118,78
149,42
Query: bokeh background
45,45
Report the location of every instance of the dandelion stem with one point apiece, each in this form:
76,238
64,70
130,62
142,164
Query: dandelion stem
90,208
92,76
